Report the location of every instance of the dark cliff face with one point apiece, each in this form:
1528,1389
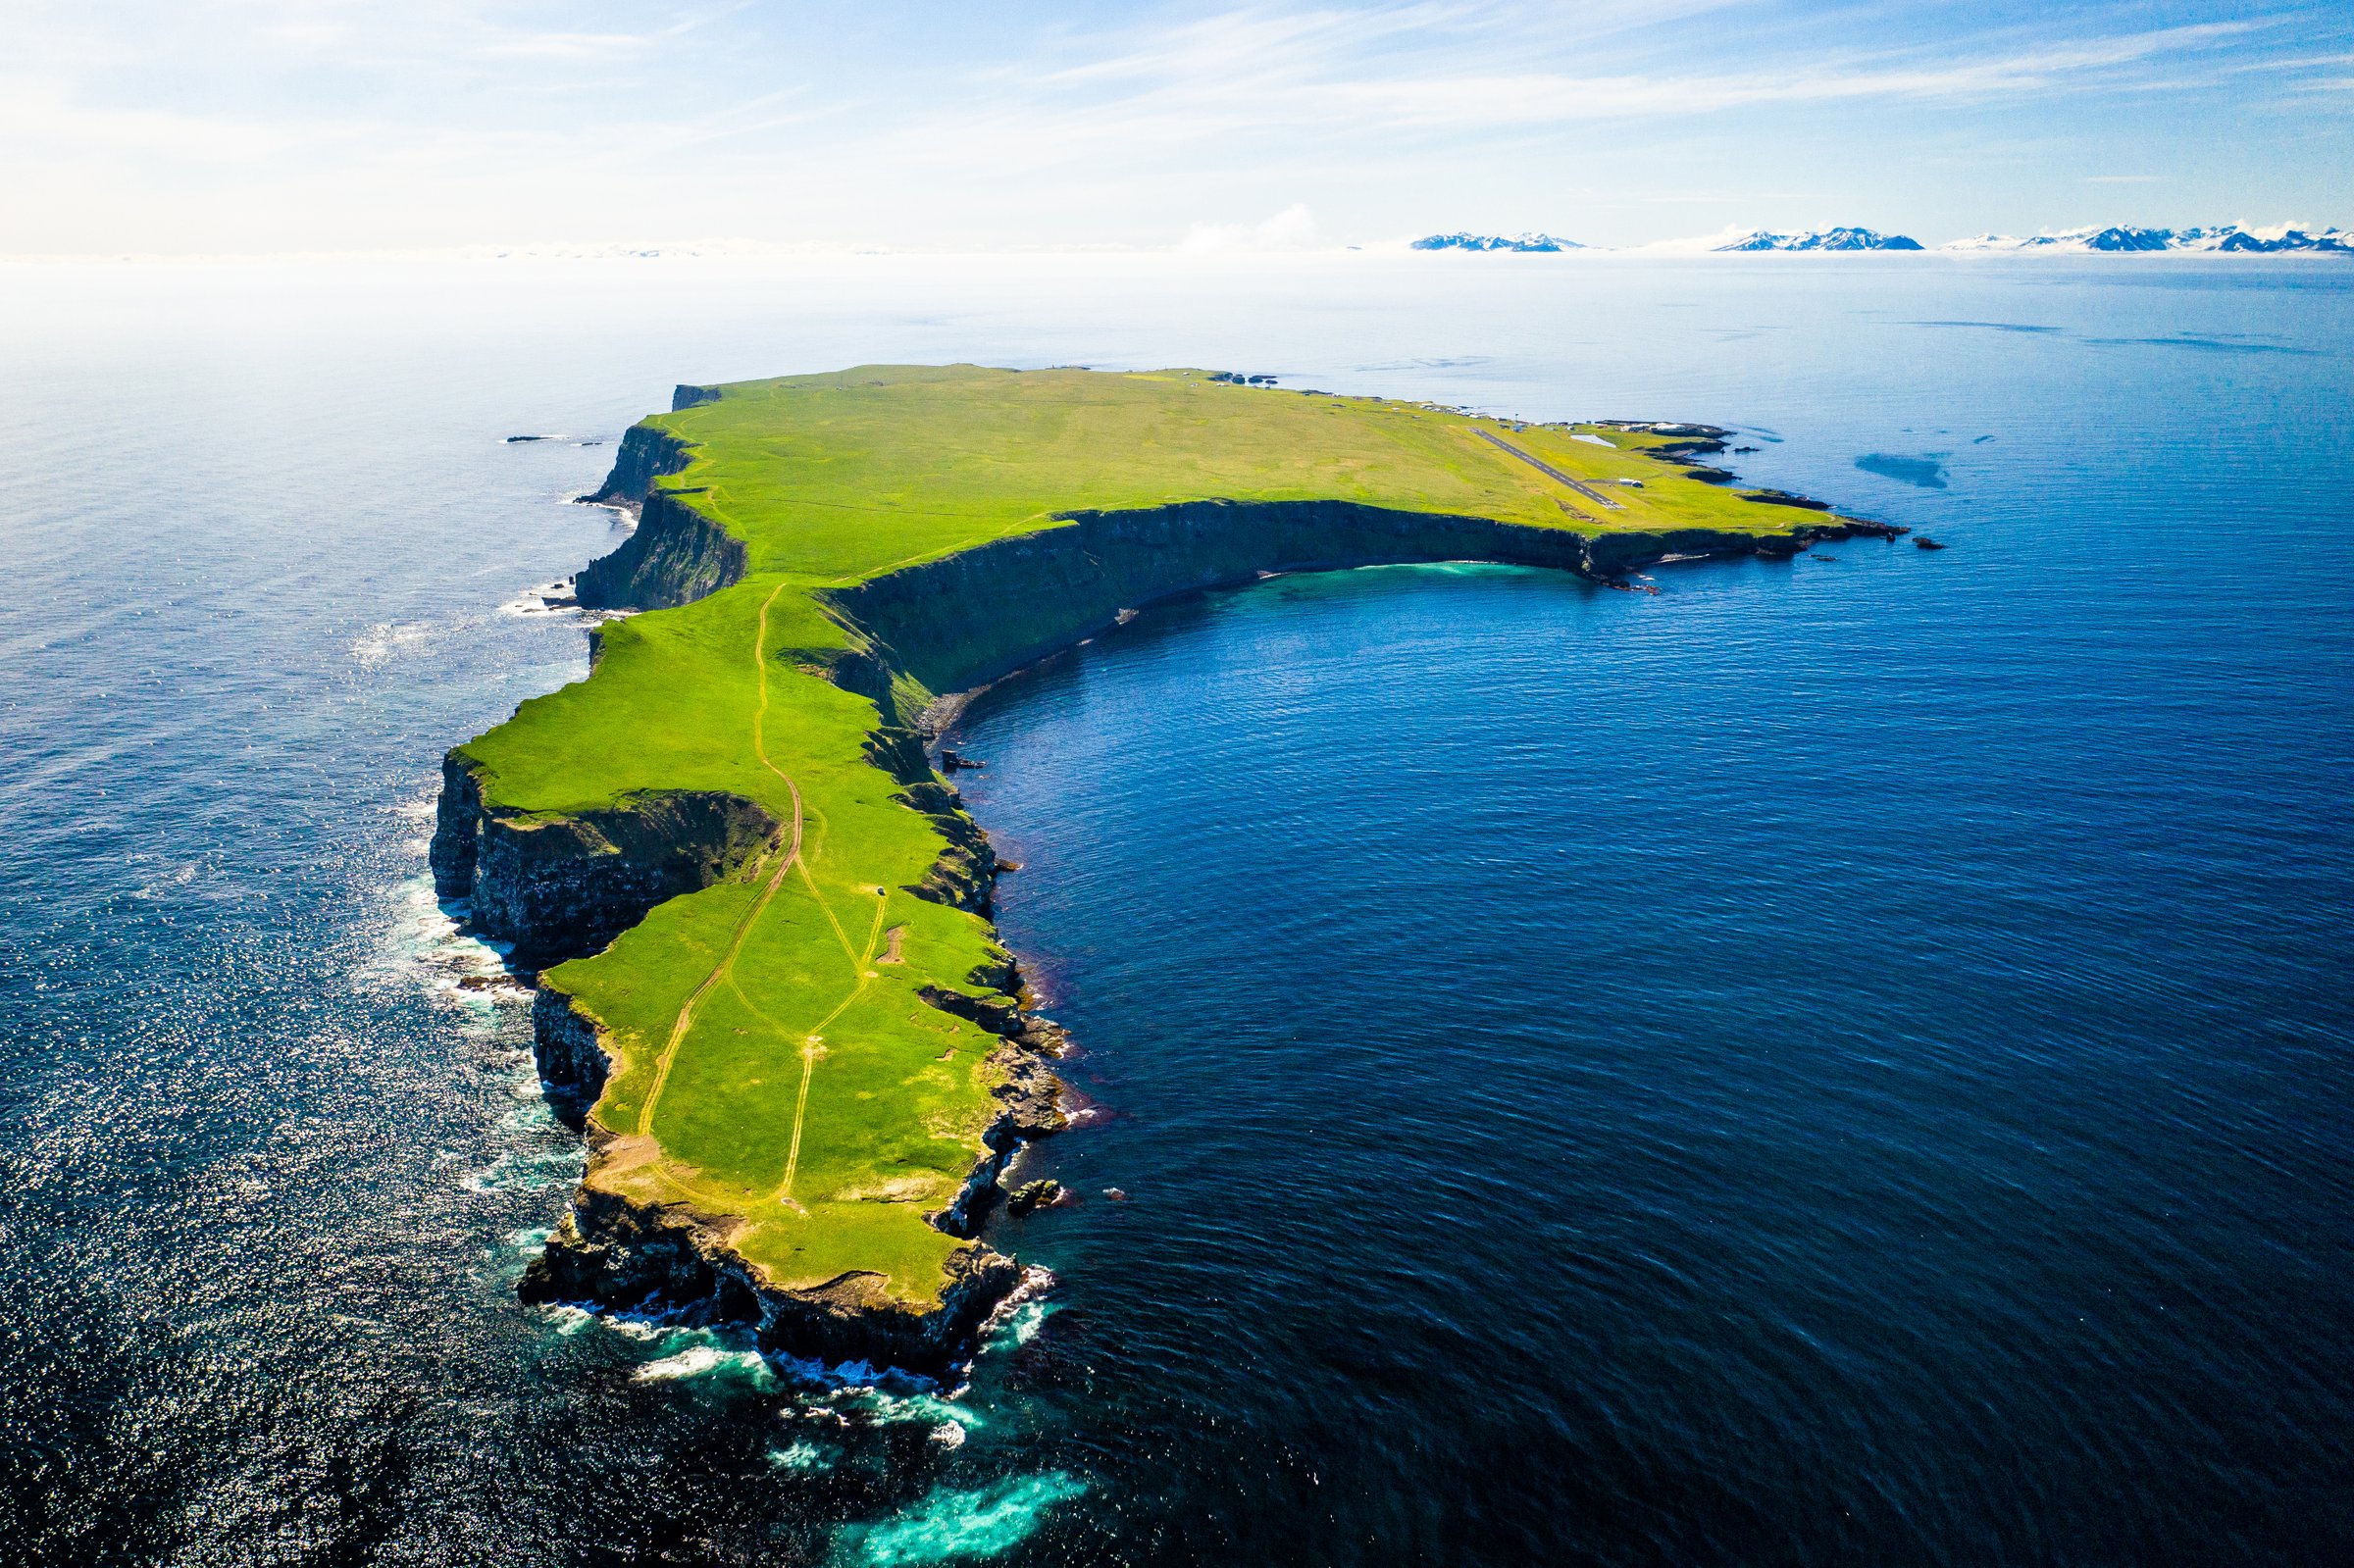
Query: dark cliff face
973,617
675,557
647,453
457,827
565,886
571,1060
967,868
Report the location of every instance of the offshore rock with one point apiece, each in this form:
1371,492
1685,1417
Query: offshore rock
1041,1194
1784,498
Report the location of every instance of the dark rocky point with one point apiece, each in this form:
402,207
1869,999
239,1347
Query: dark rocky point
1031,1196
1785,498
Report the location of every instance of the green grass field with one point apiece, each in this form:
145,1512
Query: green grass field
774,1063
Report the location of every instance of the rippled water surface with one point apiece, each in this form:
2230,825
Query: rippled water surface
1843,1060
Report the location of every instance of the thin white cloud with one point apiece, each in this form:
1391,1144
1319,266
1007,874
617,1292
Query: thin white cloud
1292,229
1245,71
1243,82
389,121
562,46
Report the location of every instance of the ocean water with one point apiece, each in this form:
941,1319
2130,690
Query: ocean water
1835,1061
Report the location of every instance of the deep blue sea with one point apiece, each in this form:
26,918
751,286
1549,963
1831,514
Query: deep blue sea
1839,1061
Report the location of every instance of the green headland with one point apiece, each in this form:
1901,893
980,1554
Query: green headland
769,970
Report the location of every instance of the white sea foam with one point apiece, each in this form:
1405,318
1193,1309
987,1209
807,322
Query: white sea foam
533,601
921,1409
533,1115
804,1456
526,1170
1021,1325
701,1353
1018,1318
426,947
959,1526
638,1329
842,1373
530,1240
703,1360
568,1320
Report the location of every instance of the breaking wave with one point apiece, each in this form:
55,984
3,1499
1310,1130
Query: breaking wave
701,1353
959,1526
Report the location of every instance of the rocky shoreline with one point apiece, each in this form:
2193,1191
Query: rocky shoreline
558,888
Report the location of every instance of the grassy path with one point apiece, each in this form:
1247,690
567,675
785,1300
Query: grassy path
751,916
723,973
817,1039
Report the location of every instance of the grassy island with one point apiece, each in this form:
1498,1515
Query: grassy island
792,1032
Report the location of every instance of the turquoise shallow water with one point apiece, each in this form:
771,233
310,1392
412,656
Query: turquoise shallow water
1835,1061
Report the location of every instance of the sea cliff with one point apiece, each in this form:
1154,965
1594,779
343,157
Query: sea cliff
971,618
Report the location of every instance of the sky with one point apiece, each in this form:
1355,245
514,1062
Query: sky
270,127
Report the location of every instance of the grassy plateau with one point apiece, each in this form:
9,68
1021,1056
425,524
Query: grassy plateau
773,1065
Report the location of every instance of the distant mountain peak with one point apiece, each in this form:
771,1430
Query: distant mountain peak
2274,239
1530,241
1846,238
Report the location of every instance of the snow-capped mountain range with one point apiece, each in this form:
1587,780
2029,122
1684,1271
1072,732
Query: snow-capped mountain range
2225,239
2228,238
1525,242
1822,239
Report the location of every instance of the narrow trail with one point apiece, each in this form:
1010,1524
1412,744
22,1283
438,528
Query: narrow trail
839,936
743,926
816,1040
724,971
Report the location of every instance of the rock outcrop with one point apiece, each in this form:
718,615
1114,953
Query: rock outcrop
647,453
570,1058
677,556
671,1262
563,887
